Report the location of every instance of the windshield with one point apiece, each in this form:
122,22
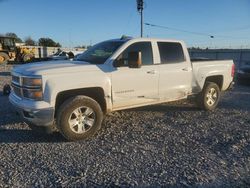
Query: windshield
100,52
8,42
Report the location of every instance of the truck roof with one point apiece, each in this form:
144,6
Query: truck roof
125,39
2,36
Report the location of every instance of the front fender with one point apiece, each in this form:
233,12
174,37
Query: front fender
59,83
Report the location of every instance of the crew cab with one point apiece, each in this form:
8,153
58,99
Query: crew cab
74,96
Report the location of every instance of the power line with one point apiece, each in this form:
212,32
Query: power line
180,30
194,33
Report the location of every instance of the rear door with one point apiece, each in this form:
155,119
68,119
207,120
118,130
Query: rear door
135,86
175,71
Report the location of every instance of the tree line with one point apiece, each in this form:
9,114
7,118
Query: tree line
44,41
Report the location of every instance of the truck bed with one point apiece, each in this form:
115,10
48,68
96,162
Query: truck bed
205,68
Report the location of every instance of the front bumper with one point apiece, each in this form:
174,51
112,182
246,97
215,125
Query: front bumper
36,116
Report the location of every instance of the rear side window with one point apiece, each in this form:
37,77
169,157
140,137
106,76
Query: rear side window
171,52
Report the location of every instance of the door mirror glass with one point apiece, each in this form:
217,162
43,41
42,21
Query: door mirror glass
134,59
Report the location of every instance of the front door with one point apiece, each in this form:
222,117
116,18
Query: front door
135,86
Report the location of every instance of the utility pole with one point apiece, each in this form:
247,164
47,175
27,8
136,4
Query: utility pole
140,7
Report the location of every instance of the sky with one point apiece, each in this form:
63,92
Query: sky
84,22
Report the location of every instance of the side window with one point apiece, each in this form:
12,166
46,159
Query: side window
144,47
171,52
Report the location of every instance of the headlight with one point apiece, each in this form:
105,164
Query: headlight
32,82
28,87
33,94
32,88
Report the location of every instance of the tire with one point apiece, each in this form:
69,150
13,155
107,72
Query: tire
79,118
4,58
209,98
27,58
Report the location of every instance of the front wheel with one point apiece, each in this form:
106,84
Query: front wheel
209,97
79,118
4,58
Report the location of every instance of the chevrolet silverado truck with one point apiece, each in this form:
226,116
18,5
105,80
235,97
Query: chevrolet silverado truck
74,96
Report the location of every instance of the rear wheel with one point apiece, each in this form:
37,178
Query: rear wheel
4,58
209,97
79,118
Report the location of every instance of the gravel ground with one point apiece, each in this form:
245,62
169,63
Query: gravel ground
163,145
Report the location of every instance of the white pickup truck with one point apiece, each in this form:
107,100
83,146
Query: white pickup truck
73,96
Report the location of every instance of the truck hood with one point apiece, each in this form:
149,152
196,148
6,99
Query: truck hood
56,67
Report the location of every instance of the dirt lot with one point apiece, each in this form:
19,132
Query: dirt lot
168,144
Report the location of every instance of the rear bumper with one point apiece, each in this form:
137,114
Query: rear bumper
39,117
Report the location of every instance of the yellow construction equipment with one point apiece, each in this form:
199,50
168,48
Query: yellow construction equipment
9,51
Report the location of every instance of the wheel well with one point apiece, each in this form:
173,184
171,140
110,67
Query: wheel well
95,93
216,79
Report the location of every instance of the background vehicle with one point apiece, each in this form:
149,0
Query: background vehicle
60,55
114,75
243,74
9,51
64,55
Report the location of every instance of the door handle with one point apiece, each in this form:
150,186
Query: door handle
151,72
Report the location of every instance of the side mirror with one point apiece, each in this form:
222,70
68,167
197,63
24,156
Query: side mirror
134,59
